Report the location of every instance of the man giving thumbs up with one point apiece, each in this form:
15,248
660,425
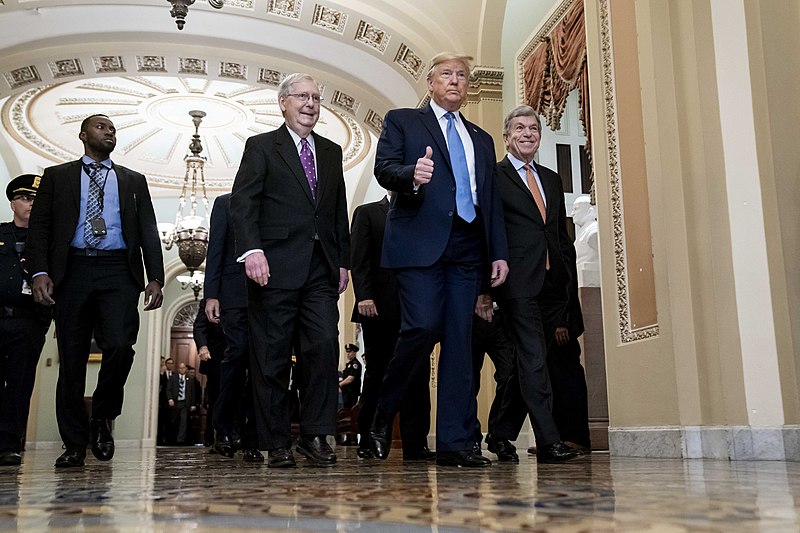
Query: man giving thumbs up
445,238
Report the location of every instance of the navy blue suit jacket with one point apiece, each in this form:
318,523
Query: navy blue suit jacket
418,224
225,278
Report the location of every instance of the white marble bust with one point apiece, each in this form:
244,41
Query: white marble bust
584,216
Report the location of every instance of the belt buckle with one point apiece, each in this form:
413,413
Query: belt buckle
91,252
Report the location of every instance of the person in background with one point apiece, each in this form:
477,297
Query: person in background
350,380
180,398
23,323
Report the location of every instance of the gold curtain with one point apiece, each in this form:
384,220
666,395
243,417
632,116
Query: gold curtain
556,67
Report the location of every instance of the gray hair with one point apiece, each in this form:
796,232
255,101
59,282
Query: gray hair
286,84
521,111
450,56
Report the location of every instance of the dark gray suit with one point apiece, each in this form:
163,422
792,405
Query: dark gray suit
530,240
306,241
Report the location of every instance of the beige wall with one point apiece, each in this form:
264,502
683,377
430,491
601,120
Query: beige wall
722,198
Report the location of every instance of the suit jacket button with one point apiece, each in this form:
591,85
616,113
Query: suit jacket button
450,214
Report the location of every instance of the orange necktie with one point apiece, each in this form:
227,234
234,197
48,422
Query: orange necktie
537,197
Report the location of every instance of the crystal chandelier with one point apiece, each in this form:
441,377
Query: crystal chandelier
190,231
180,8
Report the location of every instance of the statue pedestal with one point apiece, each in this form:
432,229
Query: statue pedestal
594,363
589,275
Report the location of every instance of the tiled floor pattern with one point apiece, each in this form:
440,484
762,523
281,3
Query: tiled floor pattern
187,489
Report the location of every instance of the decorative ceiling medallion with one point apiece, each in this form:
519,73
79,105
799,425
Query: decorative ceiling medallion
106,88
269,76
104,64
345,101
330,19
285,8
410,61
192,65
151,64
150,115
374,121
372,36
237,71
22,76
63,68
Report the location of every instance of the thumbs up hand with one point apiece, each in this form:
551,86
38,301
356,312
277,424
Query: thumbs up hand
423,171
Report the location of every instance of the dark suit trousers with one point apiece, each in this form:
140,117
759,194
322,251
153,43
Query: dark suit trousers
437,304
21,342
568,381
97,294
380,339
490,338
274,315
233,378
533,395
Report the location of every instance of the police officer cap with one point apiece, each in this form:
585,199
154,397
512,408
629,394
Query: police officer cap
26,185
351,347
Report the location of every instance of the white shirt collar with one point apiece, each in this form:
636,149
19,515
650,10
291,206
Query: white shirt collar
296,138
439,111
518,163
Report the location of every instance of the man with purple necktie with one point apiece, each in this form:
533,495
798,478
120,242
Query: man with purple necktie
289,213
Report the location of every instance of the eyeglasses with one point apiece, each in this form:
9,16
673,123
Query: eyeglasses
303,97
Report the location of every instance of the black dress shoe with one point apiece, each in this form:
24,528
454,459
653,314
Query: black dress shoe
280,458
365,452
224,446
418,453
558,452
503,449
10,458
380,435
465,458
71,458
102,440
252,455
316,450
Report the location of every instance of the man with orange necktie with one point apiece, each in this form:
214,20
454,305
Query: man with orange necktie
535,218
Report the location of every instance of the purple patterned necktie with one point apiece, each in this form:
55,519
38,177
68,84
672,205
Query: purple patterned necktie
307,160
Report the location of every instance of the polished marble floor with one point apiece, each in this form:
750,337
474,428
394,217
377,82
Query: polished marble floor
186,489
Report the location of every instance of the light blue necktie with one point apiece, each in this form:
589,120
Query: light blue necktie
464,205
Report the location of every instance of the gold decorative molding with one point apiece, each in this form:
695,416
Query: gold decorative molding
192,65
485,84
63,68
104,64
372,36
22,76
285,8
627,333
151,64
410,61
330,19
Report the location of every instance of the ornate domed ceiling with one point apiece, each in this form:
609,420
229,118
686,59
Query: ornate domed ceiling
154,127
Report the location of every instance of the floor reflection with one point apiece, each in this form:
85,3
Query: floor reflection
180,489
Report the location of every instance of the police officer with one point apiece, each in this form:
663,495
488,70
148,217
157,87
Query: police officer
23,323
350,382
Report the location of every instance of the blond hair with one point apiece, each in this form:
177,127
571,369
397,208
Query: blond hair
450,56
